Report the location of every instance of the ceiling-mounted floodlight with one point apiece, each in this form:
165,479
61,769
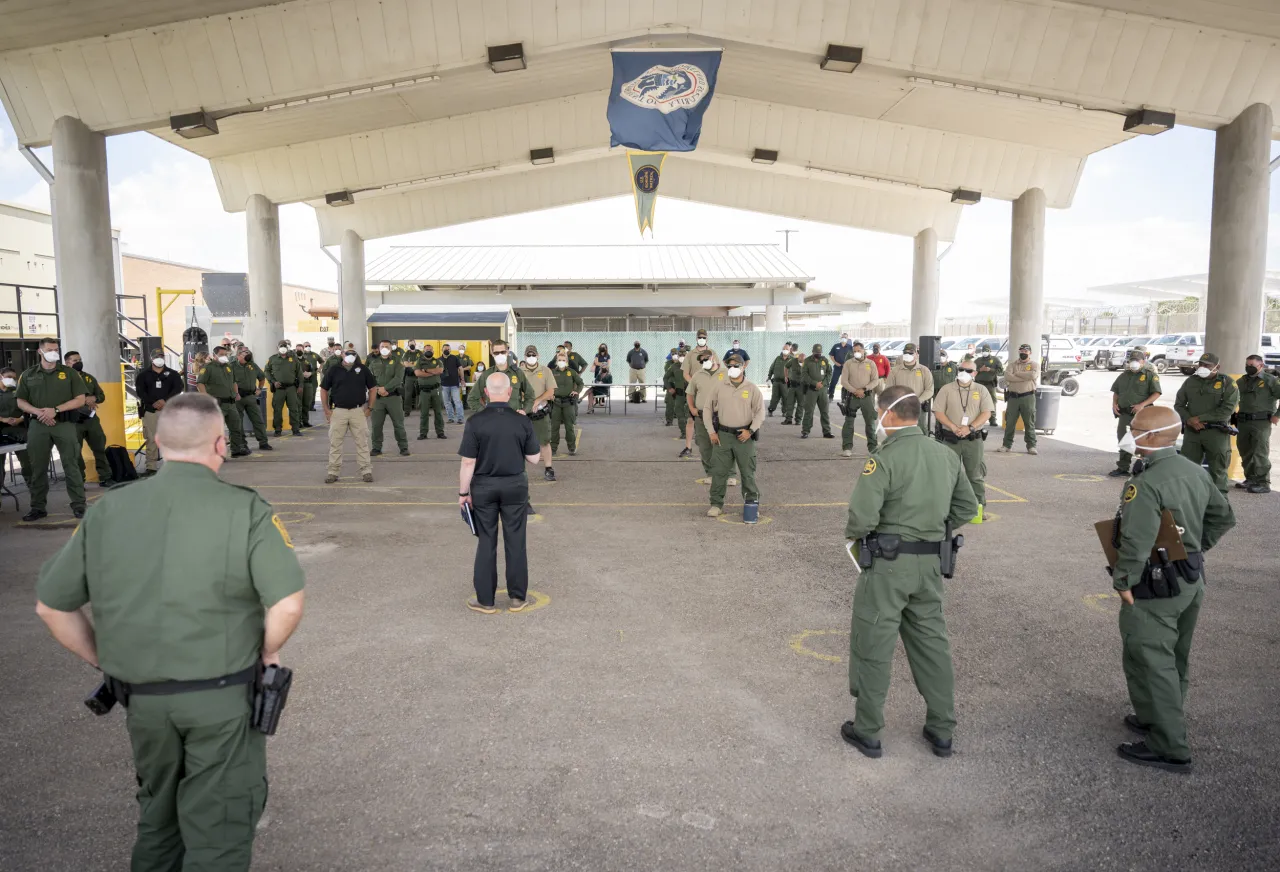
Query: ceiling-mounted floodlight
506,58
1148,121
842,58
965,198
193,125
339,198
542,156
764,156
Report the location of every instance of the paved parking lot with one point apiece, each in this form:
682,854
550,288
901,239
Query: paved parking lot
674,701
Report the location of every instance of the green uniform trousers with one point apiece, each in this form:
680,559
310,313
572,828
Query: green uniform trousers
1024,408
1212,446
681,412
867,408
431,400
383,408
235,425
91,431
24,459
895,598
775,397
790,403
703,440
279,397
40,443
565,415
991,389
1157,647
202,781
409,393
1122,427
816,397
542,428
925,424
669,406
249,406
729,453
974,460
1254,445
307,402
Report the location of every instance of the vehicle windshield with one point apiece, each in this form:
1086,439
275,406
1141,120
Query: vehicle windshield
1189,340
1104,340
1167,340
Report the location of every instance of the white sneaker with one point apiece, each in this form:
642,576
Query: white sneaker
848,453
1032,451
715,512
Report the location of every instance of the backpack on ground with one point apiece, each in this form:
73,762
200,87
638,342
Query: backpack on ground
121,463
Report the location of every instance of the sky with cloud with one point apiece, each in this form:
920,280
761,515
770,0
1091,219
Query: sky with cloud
1142,211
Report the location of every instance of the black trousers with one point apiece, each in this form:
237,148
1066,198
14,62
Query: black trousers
836,370
504,497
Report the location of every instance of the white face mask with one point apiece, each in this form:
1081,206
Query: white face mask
385,352
701,342
786,352
349,358
157,362
908,358
964,376
858,355
9,382
707,364
531,360
735,372
881,429
284,349
679,358
51,356
1135,365
222,358
735,345
499,359
1129,443
562,364
1204,372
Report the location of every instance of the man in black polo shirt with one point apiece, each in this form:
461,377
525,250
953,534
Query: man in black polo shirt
496,444
451,384
154,386
345,396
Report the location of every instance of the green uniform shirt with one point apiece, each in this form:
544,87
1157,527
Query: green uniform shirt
1259,393
191,604
988,378
218,380
795,370
92,388
817,369
465,363
568,382
912,487
246,376
577,362
334,360
9,405
424,362
285,369
311,361
778,369
48,390
675,379
410,358
1213,400
522,395
388,371
1167,481
944,375
1134,387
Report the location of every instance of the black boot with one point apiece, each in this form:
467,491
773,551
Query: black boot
869,747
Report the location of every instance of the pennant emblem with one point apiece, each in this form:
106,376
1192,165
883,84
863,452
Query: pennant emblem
646,173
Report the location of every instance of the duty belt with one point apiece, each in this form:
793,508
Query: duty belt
226,401
1253,416
124,690
565,401
1011,396
933,548
429,388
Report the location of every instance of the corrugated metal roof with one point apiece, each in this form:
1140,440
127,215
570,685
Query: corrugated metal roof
430,315
561,265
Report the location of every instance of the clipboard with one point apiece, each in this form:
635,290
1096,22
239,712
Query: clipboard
469,519
1168,538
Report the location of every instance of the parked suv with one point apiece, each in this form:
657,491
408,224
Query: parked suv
1089,354
1271,349
1175,350
1120,351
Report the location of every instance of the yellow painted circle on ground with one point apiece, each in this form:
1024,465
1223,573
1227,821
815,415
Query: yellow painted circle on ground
295,517
732,518
536,600
534,519
1078,476
1095,601
797,644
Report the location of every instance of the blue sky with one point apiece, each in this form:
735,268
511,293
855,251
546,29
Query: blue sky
1141,211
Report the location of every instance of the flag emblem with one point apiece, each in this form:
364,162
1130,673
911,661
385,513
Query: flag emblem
667,89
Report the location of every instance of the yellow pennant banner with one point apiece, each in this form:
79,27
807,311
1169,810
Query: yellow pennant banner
646,173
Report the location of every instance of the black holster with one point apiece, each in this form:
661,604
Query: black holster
269,698
1160,577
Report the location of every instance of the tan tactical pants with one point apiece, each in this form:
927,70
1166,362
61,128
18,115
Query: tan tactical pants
352,420
150,421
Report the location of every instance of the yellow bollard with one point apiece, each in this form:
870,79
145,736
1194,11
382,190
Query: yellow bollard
1235,470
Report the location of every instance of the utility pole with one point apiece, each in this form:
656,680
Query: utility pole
786,239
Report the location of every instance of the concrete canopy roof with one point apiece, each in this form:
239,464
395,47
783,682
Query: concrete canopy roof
1178,287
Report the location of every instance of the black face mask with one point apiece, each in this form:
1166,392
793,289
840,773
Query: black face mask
248,358
602,349
637,345
1022,355
1251,370
426,352
78,365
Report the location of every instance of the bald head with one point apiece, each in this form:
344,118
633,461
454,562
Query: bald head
190,428
498,389
1154,418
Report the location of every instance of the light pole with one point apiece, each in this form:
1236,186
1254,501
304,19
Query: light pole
786,238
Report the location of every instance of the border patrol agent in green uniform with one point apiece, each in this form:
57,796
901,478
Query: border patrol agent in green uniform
1259,391
310,383
12,424
795,382
733,415
427,370
181,630
522,395
218,381
52,394
858,376
676,387
817,375
1132,391
945,373
777,378
250,379
1206,402
284,372
696,395
989,371
389,372
411,358
909,491
89,429
1020,399
963,410
1158,615
564,405
668,406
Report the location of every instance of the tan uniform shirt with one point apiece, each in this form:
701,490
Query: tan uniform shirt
1021,376
740,405
859,375
541,379
700,386
957,403
916,378
692,364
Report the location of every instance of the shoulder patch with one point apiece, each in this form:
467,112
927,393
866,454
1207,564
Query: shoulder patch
284,534
870,466
1130,491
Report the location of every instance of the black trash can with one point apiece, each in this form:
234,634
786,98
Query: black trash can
1048,398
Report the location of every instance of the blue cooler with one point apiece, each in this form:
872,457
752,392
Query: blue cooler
751,513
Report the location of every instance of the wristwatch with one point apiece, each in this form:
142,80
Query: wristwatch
467,494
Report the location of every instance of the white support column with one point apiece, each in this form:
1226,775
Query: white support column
265,325
351,298
1238,237
85,263
1026,273
775,318
924,285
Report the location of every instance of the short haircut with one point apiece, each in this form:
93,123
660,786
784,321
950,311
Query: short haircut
1257,357
857,343
189,422
908,408
498,342
49,340
69,353
8,369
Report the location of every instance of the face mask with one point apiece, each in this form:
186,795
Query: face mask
157,362
786,352
707,364
942,358
222,358
858,355
701,342
562,364
637,345
78,366
531,360
1204,372
412,347
299,352
306,348
1135,365
1022,355
9,382
908,358
846,340
735,345
964,376
1129,443
284,349
602,349
349,358
679,358
499,359
1251,370
385,352
51,356
735,372
881,429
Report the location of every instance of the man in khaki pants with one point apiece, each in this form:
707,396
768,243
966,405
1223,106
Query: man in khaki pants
347,403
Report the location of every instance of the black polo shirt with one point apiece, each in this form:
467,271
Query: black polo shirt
348,388
451,377
498,439
151,386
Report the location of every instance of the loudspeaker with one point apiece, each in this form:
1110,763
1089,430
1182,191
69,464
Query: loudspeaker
929,352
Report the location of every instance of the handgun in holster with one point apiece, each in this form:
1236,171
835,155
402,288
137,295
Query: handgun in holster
269,698
951,545
868,551
845,398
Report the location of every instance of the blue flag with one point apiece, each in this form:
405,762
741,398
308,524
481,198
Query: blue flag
658,97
